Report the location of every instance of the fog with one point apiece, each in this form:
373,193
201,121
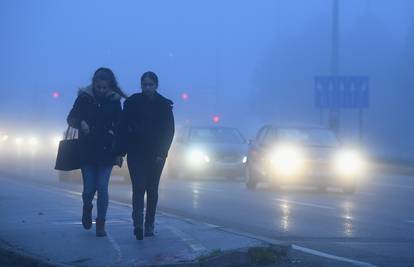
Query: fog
250,62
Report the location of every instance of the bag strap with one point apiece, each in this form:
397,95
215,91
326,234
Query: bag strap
73,132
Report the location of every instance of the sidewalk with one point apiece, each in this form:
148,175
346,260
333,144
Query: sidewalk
40,226
44,223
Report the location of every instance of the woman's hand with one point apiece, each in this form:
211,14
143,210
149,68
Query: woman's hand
85,127
159,160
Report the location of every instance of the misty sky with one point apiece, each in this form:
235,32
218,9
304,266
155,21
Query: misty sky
246,54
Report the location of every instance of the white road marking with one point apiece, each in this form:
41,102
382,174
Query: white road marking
330,256
369,194
116,247
192,243
394,185
304,204
190,188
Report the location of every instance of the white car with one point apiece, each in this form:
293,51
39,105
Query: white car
306,155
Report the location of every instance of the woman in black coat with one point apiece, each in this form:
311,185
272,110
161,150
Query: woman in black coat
148,129
96,114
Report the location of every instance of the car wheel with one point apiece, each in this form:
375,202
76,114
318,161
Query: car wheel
251,181
69,176
321,188
275,186
349,189
232,178
172,172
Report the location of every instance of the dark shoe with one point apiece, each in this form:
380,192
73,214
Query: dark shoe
139,233
87,217
100,227
149,231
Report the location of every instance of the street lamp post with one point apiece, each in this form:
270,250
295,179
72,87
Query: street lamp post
334,114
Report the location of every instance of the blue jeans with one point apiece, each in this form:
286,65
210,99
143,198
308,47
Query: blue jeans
96,178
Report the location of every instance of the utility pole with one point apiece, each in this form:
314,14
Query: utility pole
335,38
334,114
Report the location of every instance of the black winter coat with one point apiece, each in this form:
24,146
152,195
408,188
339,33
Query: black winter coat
147,126
103,117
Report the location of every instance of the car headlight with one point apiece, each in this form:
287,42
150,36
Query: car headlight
198,157
349,163
287,160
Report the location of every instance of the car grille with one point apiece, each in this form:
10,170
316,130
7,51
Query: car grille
228,158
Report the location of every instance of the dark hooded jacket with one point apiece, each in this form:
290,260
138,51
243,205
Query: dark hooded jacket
102,115
147,126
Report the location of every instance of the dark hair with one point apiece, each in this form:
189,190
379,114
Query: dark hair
151,75
106,74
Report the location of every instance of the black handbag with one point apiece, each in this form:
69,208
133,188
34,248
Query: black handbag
69,156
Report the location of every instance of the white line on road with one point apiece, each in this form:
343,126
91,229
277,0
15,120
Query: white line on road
192,243
116,247
330,256
304,204
394,185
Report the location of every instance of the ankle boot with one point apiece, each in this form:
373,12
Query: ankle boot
100,227
139,233
87,217
149,230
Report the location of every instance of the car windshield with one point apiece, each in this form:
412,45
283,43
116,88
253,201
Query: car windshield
308,136
216,135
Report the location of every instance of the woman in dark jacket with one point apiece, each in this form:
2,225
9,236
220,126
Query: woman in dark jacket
148,128
96,114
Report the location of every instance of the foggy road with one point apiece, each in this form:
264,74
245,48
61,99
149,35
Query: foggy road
272,72
376,225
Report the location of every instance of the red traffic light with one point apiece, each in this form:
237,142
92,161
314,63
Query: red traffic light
55,94
184,96
216,119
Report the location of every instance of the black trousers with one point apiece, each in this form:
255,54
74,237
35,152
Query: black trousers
145,175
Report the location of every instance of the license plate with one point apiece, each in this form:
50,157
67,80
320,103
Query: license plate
223,165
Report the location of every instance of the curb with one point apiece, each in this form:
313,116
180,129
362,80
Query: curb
252,256
245,257
15,257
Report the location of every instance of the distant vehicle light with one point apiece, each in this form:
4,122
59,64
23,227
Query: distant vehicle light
244,159
33,141
287,160
56,140
349,163
19,141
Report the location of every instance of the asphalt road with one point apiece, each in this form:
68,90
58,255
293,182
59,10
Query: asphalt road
376,225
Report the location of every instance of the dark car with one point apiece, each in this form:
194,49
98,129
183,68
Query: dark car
306,155
207,151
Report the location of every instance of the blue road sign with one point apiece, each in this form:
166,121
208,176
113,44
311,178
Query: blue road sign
348,92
